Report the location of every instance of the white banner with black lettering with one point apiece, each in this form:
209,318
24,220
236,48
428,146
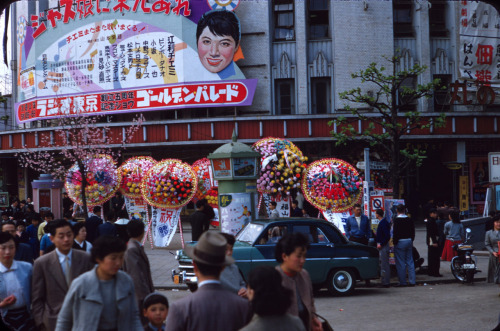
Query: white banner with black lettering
164,222
337,219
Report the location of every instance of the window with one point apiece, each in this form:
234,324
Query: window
273,235
402,12
285,96
437,19
283,20
404,99
313,233
441,96
318,19
320,95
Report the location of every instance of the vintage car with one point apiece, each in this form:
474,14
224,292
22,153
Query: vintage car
332,261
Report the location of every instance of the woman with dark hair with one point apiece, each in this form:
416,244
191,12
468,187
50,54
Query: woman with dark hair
455,234
291,254
80,232
104,297
218,39
270,302
15,287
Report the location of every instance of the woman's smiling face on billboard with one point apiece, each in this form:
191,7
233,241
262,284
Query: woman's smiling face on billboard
215,52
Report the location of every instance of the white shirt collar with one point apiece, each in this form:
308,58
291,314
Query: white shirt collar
62,257
4,269
210,281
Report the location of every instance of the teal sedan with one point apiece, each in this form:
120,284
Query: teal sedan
332,261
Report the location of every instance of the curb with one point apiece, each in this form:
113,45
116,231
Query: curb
171,287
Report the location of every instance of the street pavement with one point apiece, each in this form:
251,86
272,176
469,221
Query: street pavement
163,260
434,304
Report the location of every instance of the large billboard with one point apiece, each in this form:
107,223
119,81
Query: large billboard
116,56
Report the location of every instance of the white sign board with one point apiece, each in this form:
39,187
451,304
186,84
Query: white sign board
374,165
494,167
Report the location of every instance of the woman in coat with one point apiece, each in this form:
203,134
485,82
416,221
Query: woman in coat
491,240
104,297
270,302
291,254
15,287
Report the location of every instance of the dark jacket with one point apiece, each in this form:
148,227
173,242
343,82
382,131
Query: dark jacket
106,229
198,224
383,232
297,212
92,223
403,229
432,236
24,252
352,229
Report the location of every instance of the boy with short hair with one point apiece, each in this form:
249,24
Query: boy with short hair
155,311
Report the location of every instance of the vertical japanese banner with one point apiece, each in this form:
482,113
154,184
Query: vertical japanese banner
282,204
479,180
337,219
235,211
164,222
479,43
137,208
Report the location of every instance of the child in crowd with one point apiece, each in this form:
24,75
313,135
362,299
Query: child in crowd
32,231
155,310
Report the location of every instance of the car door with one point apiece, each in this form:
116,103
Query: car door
321,250
264,247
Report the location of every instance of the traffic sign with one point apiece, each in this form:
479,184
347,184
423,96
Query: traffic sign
374,165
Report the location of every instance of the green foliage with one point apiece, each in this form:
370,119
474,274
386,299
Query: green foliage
388,118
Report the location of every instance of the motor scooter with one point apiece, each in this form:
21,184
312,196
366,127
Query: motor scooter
463,266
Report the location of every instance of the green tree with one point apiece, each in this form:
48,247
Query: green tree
391,113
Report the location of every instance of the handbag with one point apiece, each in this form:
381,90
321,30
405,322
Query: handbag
324,323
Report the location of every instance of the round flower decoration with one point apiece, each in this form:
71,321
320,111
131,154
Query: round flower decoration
132,172
282,166
170,183
103,180
332,184
205,189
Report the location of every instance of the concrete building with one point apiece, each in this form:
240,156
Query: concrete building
303,54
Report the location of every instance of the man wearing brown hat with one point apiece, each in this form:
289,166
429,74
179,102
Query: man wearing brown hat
211,307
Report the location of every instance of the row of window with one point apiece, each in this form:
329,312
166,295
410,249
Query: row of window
319,24
321,95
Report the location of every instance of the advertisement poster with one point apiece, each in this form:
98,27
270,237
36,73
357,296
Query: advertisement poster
478,173
222,167
244,167
164,225
282,204
479,41
106,57
235,211
463,189
337,219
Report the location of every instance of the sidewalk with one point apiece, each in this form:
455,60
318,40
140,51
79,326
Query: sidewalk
163,260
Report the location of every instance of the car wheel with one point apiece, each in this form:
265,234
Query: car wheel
341,282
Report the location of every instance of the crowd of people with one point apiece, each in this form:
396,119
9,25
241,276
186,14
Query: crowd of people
68,274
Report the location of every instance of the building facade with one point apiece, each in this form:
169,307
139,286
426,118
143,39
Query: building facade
302,54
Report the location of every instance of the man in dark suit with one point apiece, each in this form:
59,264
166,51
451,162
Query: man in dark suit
107,228
92,223
24,252
199,220
136,264
358,227
53,274
432,240
211,307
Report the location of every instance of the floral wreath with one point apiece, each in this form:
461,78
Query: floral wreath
132,172
170,183
282,166
103,180
332,184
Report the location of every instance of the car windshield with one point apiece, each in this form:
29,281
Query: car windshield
250,233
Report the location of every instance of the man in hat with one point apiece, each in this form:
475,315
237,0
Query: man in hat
211,307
